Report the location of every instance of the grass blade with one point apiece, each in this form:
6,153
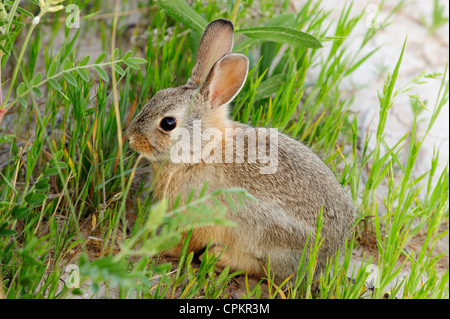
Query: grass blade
282,34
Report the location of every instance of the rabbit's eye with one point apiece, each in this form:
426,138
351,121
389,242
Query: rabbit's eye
168,123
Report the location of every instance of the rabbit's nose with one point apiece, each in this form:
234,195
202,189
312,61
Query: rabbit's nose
130,131
140,143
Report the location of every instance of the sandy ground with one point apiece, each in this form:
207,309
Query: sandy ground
424,52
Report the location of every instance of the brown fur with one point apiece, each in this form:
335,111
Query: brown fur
289,200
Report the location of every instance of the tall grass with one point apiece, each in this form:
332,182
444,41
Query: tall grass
71,192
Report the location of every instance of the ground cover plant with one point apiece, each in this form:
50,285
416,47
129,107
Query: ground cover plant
77,216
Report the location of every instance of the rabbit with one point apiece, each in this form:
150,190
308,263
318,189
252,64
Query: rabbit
288,201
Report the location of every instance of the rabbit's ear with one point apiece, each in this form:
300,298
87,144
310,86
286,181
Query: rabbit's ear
217,40
225,79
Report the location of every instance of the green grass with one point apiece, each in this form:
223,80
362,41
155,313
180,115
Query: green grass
437,19
70,188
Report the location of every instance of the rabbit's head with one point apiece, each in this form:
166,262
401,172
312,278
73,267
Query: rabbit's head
217,77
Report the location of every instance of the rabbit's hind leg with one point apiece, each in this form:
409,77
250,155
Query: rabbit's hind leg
237,260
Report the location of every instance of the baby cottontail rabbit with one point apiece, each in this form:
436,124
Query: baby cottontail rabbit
289,196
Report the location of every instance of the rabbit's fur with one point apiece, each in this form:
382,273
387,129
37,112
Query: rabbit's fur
288,201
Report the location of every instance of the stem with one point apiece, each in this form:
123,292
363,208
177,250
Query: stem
235,11
115,94
19,60
11,15
118,120
1,95
59,74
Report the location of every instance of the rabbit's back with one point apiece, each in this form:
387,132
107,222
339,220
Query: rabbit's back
301,184
290,199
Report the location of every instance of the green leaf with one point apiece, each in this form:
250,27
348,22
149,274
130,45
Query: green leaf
42,184
55,84
36,79
60,165
102,73
222,279
20,24
282,20
3,49
136,60
84,60
115,54
69,78
131,64
182,12
23,102
67,64
270,86
118,69
247,42
37,92
52,68
25,12
283,35
53,227
20,212
268,53
127,55
100,58
84,75
7,232
57,155
21,88
34,198
49,171
156,215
